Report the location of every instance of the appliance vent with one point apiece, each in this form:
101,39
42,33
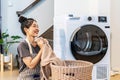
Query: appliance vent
102,72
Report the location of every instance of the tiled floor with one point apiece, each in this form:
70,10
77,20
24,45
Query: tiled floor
8,75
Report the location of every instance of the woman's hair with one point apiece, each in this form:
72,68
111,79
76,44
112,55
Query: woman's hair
25,23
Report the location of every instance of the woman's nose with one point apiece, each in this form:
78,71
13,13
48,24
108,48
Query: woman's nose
37,27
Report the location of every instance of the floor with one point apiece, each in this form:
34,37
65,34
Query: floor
8,75
115,77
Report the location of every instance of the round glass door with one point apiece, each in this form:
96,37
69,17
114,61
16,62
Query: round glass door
89,43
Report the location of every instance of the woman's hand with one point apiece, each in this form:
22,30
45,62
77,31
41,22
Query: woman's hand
45,40
40,42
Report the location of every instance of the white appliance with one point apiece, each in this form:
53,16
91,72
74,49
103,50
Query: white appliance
84,38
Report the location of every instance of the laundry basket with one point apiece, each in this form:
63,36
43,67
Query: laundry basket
72,70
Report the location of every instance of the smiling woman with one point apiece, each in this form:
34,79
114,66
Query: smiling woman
29,50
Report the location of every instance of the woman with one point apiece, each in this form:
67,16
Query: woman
29,50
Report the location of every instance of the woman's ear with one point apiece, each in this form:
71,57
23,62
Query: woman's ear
25,29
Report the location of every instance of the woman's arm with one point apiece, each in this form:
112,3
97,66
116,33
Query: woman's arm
31,63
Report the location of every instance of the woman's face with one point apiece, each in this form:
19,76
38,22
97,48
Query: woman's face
33,30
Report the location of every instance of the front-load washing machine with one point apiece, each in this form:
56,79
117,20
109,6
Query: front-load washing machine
84,38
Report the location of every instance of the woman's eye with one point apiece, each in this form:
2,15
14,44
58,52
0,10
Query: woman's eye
34,26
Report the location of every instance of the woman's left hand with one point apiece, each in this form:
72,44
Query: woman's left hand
40,41
45,40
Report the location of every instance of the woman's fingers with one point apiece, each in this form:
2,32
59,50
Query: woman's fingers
45,40
40,41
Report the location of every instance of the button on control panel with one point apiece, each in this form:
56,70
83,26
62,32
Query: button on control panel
89,18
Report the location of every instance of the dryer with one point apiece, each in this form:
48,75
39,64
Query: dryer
84,38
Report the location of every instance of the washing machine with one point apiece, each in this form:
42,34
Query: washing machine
84,38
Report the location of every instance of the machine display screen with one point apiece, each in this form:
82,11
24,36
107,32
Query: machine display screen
102,19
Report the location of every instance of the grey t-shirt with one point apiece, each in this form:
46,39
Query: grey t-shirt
23,51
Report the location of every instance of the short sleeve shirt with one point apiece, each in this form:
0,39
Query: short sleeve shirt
23,51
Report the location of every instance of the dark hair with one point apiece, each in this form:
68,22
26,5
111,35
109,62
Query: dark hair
25,23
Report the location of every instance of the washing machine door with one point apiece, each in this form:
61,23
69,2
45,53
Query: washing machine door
89,43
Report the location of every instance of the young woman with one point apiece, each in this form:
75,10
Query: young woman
29,50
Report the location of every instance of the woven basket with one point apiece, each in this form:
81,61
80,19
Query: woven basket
73,70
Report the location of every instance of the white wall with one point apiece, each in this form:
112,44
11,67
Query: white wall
62,7
82,7
115,29
43,12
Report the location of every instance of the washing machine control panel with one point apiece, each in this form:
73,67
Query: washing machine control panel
102,19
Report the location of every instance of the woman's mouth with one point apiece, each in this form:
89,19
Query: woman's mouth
37,31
